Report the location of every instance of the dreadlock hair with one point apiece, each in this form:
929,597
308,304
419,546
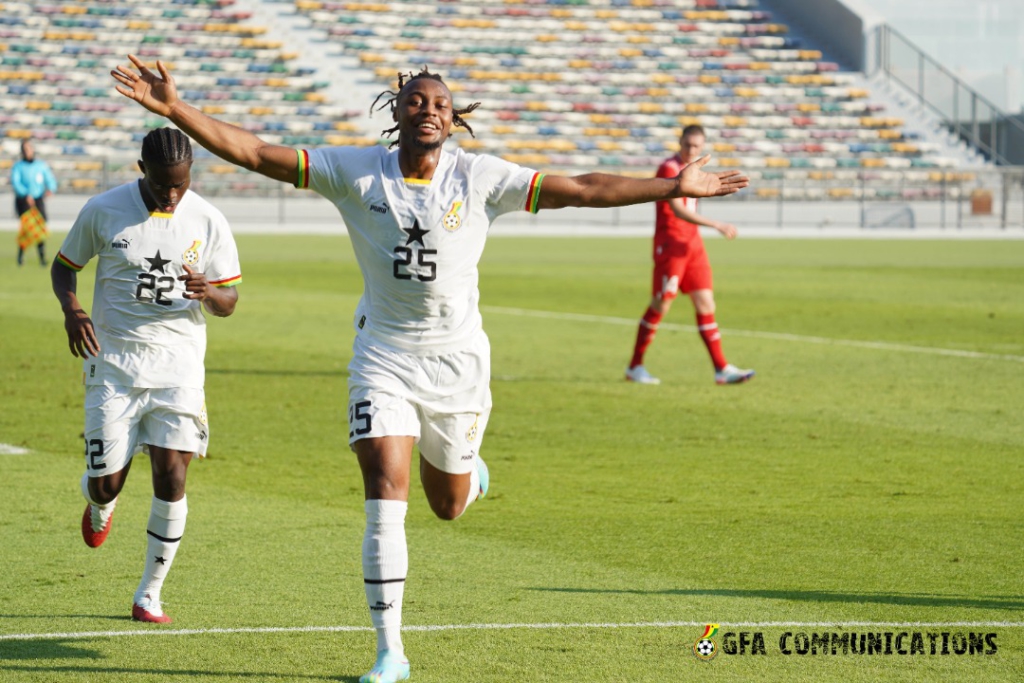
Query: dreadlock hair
166,147
391,101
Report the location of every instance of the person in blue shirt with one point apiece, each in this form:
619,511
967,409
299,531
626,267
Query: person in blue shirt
33,182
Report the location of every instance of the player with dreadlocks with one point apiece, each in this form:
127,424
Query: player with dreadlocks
164,254
392,97
418,218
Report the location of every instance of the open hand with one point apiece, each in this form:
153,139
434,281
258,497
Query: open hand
155,93
81,336
728,230
694,182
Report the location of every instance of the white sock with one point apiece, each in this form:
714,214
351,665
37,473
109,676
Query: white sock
164,531
385,564
100,513
85,489
474,485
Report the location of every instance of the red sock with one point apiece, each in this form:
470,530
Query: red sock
644,335
708,329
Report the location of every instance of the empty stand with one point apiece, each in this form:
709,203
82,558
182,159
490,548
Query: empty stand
55,84
607,84
566,85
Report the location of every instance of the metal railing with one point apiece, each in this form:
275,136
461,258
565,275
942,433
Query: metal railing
965,112
990,199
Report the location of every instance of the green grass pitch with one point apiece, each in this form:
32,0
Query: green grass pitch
876,482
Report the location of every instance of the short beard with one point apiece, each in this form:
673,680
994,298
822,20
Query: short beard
427,146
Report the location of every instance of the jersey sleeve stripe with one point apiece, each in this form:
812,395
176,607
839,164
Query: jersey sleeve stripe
68,262
533,196
303,181
227,282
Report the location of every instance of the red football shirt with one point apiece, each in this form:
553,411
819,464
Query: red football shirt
669,229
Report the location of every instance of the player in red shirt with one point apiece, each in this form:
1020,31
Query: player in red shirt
681,264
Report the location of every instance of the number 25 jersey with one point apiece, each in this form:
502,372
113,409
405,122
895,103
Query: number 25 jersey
418,242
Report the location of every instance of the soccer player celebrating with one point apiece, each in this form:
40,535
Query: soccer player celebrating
418,218
164,254
681,263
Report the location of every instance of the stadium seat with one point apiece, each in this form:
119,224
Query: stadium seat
588,84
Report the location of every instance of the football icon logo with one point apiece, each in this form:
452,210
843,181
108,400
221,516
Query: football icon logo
452,221
705,647
191,255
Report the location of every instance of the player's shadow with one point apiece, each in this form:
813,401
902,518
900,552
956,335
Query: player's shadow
42,649
277,373
1001,602
174,674
55,649
552,379
112,617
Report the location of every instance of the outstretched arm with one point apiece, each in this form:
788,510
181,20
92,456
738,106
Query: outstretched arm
601,190
159,95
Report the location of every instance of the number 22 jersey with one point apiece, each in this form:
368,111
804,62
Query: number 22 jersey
150,335
418,242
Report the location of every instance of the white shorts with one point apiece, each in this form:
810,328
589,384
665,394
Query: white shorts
441,401
119,421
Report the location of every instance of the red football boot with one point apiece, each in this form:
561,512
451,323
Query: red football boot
90,520
148,610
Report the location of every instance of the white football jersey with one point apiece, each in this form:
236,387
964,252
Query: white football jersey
418,242
150,335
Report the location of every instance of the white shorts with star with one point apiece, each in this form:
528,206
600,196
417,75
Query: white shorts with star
442,401
119,421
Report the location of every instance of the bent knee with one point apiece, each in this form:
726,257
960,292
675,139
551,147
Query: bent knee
449,509
169,490
169,484
103,496
104,491
661,305
703,301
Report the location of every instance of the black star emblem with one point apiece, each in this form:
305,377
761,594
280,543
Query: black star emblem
157,263
415,233
161,560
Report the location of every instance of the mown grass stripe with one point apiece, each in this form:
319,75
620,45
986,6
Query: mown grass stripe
510,627
778,336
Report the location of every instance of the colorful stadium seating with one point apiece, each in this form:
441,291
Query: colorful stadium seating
633,72
55,84
566,85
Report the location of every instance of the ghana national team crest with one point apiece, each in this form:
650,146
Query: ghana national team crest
452,221
191,255
705,648
471,432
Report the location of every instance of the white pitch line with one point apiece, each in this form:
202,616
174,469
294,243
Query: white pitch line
509,627
9,449
778,336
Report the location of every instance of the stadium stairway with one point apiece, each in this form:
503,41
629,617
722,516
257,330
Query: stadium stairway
927,123
921,121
